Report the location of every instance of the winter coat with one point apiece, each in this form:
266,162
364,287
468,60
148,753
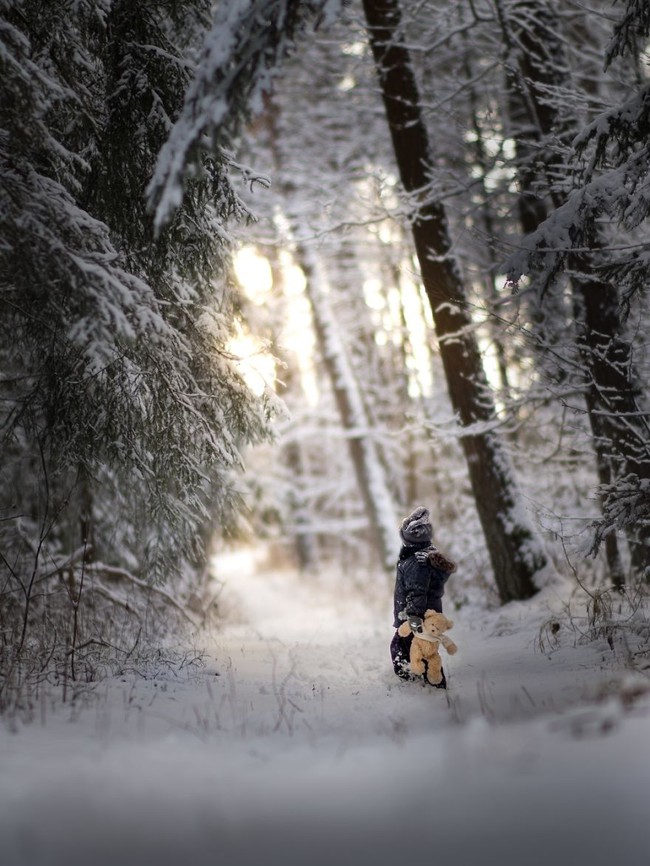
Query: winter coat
420,581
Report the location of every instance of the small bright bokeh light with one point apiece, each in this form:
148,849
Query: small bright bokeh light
386,233
254,274
373,294
354,49
293,276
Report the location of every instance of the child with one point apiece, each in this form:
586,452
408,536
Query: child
422,572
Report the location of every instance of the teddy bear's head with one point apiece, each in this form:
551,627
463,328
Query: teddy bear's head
434,623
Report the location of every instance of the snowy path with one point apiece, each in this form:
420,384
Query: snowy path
282,750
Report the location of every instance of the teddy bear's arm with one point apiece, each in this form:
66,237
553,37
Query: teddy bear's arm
448,644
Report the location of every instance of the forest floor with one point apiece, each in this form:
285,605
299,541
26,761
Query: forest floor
286,739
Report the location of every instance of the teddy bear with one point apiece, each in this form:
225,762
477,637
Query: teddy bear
425,657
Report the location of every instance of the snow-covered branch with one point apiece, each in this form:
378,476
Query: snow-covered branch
241,55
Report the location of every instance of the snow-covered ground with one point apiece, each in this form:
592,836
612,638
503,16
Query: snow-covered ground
295,744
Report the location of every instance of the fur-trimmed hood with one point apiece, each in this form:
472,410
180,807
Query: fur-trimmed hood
433,556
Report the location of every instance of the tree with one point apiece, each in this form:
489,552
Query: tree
122,413
240,54
573,238
369,469
516,553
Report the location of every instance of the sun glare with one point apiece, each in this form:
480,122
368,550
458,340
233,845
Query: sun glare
296,341
256,365
296,337
254,274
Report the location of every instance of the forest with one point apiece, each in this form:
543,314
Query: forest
370,254
272,274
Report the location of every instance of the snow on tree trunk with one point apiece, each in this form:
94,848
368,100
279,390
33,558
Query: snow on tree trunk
612,403
369,471
516,552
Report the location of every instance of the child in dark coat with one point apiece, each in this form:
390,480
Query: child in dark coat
422,572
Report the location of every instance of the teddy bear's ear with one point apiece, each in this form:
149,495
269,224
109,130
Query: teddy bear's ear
450,623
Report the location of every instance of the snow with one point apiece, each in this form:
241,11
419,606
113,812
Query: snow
295,744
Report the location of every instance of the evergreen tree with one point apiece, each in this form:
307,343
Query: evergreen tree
123,413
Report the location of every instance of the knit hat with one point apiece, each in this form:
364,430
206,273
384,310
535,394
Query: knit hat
416,528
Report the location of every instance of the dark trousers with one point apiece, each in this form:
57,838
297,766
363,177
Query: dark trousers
400,652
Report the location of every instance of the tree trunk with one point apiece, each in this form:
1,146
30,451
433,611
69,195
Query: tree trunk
516,552
619,434
368,468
